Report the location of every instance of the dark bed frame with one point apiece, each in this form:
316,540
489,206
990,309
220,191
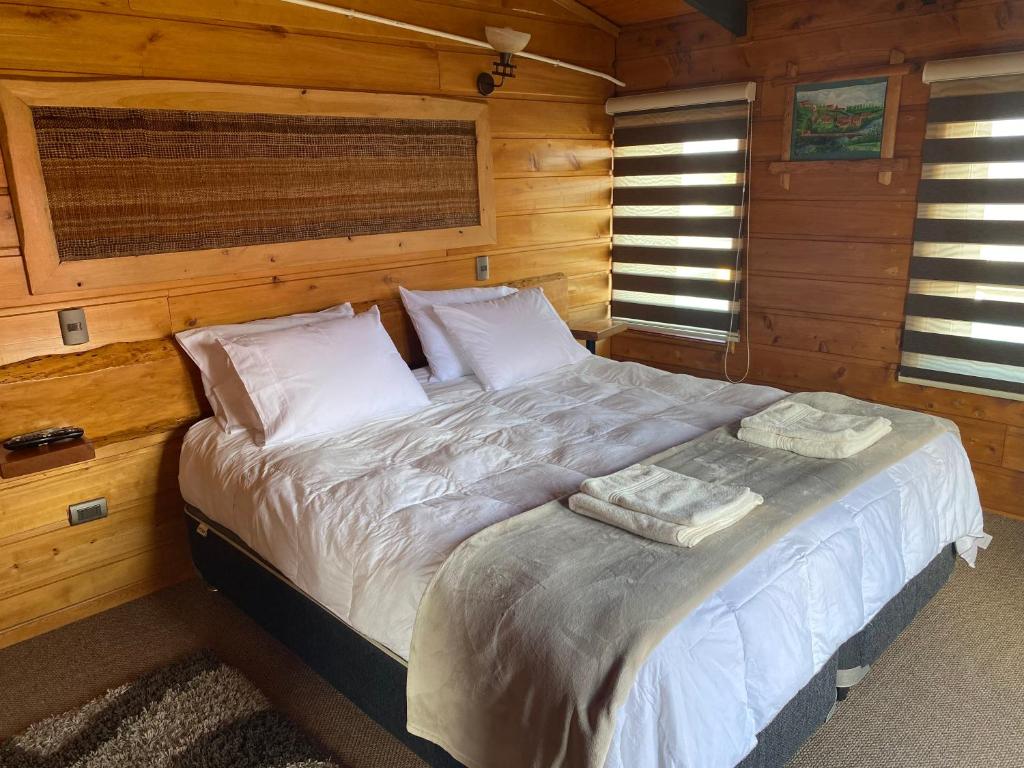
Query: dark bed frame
374,680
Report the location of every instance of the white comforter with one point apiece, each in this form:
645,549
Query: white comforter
360,522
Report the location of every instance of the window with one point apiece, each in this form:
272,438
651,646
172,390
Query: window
965,306
679,202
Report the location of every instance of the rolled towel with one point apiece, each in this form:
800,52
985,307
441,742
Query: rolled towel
671,496
803,429
655,528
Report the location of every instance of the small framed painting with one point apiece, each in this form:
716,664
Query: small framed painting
839,120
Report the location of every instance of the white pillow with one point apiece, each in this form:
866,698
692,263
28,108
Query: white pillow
329,376
511,339
224,390
446,361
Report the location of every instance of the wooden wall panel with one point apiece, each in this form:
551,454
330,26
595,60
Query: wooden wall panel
828,257
130,387
554,157
525,231
590,290
62,40
8,228
922,33
515,118
32,334
825,259
833,219
552,193
844,299
271,298
826,334
1013,449
814,370
579,43
124,388
12,278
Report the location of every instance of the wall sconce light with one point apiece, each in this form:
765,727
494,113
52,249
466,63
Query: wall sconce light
507,42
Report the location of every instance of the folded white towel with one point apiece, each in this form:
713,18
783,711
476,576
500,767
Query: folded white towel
675,498
803,429
655,528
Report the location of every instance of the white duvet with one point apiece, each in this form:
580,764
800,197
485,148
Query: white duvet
361,522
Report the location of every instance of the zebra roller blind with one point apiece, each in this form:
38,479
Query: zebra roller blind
965,306
679,206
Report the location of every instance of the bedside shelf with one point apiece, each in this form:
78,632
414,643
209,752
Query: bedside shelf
31,460
594,331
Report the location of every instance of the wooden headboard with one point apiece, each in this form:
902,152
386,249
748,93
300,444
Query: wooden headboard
128,389
288,298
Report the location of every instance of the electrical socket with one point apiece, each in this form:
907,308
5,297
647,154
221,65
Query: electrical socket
87,511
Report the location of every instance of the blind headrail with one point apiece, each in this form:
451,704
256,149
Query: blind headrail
691,97
995,65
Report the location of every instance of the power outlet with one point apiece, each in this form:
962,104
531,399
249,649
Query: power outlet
483,268
87,511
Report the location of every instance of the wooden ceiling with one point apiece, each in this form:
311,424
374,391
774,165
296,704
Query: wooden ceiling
731,14
626,12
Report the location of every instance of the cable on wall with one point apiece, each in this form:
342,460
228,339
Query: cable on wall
741,243
353,14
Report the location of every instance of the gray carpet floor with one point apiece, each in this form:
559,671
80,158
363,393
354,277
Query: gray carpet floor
949,692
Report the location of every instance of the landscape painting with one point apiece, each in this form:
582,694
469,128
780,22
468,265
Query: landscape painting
840,120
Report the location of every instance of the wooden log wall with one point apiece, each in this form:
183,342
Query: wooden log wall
828,258
129,387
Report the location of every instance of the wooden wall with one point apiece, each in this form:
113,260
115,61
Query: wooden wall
129,387
828,258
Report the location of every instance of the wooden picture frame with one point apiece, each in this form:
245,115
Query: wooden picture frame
48,274
882,166
852,110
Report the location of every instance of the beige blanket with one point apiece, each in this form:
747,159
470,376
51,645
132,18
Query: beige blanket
530,636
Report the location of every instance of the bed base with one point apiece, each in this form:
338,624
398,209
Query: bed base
857,654
375,681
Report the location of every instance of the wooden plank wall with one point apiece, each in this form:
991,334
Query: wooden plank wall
129,386
828,258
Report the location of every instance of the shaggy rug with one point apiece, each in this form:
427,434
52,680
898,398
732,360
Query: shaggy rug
197,713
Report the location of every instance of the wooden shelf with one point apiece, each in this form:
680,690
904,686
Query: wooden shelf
594,331
829,166
31,460
884,168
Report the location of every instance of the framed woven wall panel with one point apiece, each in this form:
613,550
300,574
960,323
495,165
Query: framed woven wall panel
145,182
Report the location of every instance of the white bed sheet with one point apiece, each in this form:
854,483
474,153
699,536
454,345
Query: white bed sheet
361,522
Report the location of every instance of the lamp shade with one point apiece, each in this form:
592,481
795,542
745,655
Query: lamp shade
506,40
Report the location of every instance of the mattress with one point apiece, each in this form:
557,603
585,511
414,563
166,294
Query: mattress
361,522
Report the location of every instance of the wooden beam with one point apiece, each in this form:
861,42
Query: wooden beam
590,16
731,14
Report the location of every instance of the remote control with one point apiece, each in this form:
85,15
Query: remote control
43,437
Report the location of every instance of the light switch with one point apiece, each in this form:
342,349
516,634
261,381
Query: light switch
73,328
483,268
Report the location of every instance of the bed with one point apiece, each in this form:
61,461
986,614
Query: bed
331,544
